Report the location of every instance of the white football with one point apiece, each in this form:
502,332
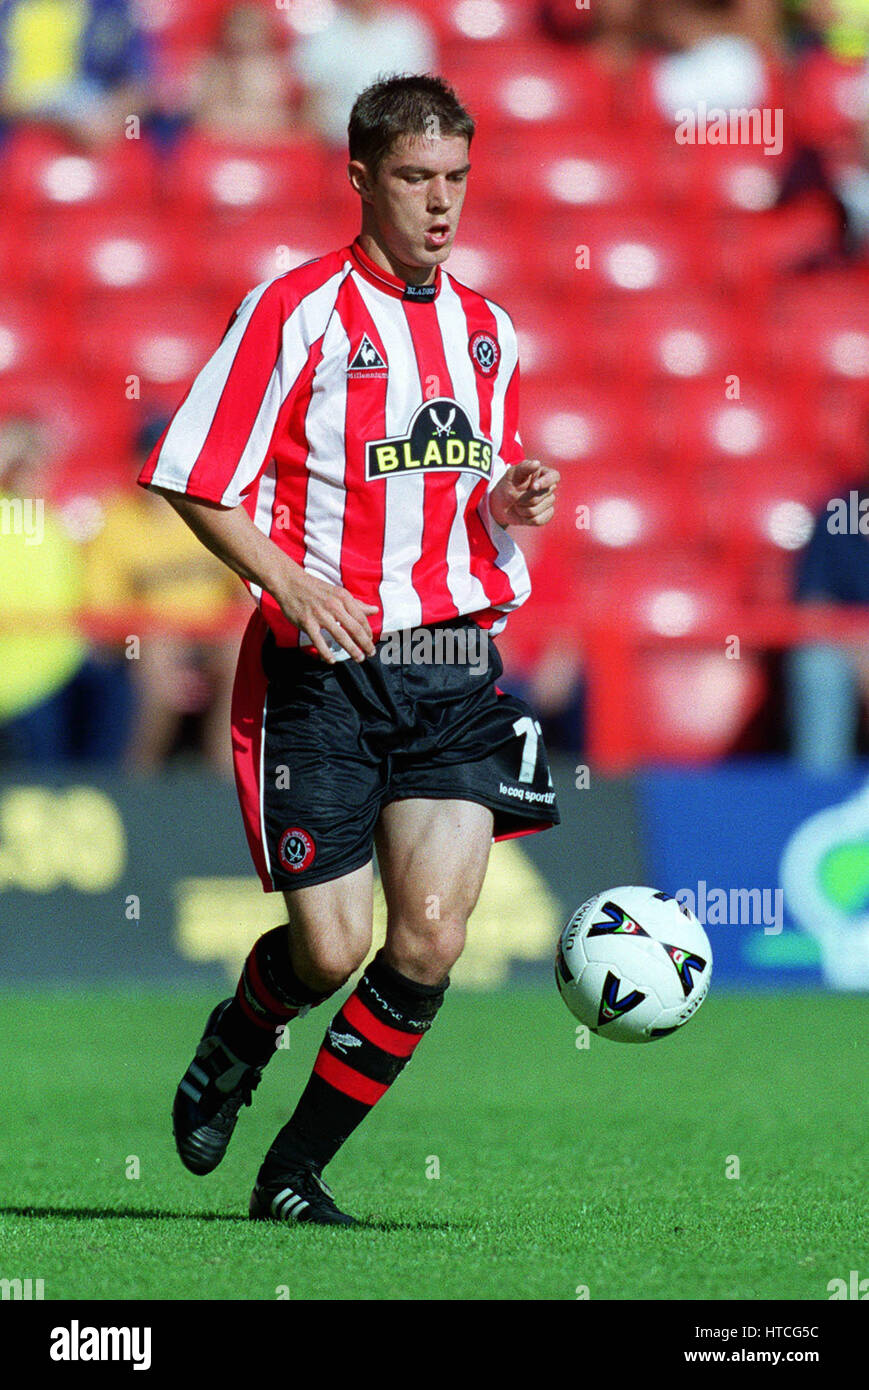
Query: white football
633,964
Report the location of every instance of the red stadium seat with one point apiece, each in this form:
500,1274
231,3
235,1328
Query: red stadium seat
692,702
569,168
83,421
231,260
237,180
697,427
537,88
754,252
44,173
162,343
817,329
550,349
114,252
731,178
482,22
646,114
760,522
31,340
585,430
619,514
830,102
680,337
621,254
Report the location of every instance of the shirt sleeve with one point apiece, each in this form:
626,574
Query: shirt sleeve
512,450
219,439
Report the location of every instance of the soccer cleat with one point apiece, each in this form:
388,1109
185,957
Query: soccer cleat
301,1196
209,1097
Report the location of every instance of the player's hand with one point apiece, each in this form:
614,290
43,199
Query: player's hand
316,607
525,496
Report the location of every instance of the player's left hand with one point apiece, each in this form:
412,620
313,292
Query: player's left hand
525,496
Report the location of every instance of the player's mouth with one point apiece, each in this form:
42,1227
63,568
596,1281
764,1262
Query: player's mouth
438,234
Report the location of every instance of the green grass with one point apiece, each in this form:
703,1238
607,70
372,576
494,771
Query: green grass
558,1167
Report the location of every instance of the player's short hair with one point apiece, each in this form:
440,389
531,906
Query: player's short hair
407,105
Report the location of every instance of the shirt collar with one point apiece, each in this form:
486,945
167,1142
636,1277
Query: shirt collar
393,284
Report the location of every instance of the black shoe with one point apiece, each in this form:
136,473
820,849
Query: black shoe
209,1097
300,1195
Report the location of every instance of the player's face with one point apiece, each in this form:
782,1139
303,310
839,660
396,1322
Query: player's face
417,198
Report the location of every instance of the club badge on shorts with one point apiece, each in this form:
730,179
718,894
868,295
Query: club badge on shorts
485,352
296,850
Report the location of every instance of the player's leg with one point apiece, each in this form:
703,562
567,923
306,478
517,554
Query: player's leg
433,857
310,797
290,969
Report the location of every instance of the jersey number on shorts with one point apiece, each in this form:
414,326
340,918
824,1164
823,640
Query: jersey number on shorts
531,731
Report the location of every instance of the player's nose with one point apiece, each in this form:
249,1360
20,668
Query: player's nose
438,195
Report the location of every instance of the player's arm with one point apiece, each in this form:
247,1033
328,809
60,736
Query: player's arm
308,602
524,494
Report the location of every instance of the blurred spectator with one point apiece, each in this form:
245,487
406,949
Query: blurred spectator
711,60
612,31
365,40
827,683
242,90
51,692
78,64
840,26
147,563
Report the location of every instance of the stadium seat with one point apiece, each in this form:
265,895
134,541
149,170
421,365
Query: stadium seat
689,700
817,329
160,343
625,254
44,173
569,168
586,430
84,422
753,252
537,89
480,22
761,520
105,251
607,516
231,260
734,178
31,340
696,426
550,350
830,102
676,337
234,179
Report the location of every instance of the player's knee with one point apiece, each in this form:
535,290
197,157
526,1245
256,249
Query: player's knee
427,951
328,965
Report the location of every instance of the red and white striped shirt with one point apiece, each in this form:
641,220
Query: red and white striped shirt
361,423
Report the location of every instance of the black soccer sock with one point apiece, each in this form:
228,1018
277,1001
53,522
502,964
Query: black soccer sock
268,995
368,1043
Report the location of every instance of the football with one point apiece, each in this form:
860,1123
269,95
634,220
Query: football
633,964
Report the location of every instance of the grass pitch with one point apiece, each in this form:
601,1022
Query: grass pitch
560,1169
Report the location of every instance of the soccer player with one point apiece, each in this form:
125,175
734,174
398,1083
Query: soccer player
351,451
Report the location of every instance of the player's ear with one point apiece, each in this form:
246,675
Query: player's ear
357,173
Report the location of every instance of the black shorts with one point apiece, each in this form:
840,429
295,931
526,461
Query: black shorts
320,749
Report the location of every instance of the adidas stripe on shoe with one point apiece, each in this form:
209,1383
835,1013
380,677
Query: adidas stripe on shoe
209,1097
